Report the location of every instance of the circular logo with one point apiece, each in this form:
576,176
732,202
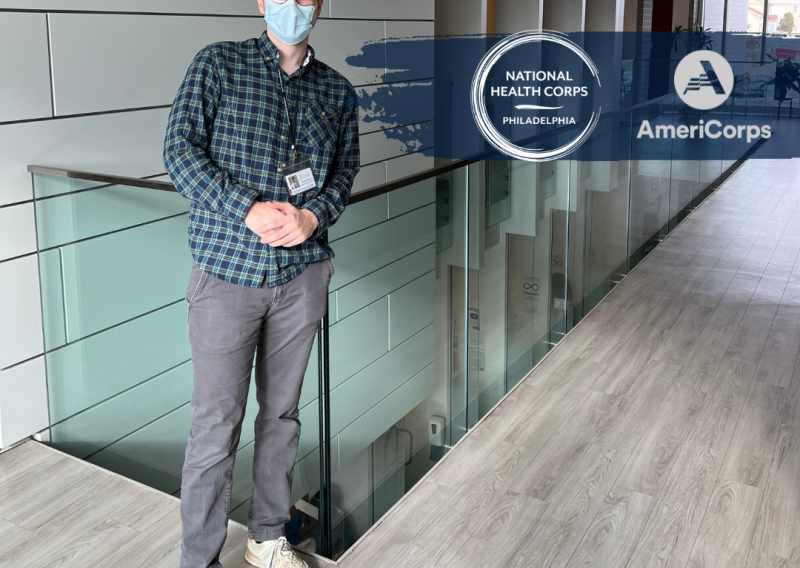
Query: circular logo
478,99
704,80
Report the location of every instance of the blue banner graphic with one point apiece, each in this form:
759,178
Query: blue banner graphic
594,96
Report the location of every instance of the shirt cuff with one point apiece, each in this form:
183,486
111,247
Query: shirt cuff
320,211
238,202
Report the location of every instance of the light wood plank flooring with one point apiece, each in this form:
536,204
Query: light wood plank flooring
60,512
663,432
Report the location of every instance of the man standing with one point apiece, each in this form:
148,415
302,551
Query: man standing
263,139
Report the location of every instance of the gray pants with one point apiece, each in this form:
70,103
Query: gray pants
228,326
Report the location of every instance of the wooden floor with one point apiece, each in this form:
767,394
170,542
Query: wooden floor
60,512
664,432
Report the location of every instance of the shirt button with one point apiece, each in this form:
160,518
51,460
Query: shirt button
283,137
323,113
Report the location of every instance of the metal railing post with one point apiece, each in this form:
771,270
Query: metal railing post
325,528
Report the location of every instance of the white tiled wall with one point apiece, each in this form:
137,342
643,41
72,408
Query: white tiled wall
20,313
23,389
89,88
25,88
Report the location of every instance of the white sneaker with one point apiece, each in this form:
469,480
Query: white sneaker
272,554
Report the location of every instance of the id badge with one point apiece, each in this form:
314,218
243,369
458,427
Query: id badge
300,176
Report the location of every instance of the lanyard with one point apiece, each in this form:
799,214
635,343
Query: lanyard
289,117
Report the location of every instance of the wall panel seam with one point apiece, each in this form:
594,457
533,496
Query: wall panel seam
383,161
50,62
381,222
20,257
15,204
391,393
68,343
404,125
19,363
101,235
85,114
104,186
188,14
166,105
121,393
388,294
129,434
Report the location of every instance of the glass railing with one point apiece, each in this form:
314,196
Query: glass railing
449,287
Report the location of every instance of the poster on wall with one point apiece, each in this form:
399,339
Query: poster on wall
530,294
477,352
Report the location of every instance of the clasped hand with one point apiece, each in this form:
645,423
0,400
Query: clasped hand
280,224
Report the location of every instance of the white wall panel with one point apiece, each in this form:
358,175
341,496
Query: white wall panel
380,417
457,17
412,197
127,144
512,16
369,176
403,31
360,216
564,15
336,40
17,231
412,308
25,87
378,146
148,75
407,165
23,401
373,119
386,10
20,311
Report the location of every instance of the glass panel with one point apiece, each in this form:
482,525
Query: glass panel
710,152
685,175
398,349
487,291
746,20
119,373
650,181
498,191
536,254
599,220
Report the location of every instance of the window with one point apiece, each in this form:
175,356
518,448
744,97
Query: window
771,27
794,9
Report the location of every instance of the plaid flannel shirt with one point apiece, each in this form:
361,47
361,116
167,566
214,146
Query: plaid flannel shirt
228,135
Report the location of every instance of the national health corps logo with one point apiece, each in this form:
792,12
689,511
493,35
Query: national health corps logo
549,90
704,80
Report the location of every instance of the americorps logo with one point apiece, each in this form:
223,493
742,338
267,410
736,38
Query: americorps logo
704,80
533,87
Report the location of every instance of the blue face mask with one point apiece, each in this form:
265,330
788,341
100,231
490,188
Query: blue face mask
290,22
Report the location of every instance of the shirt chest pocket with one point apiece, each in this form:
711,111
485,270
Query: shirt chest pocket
321,125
